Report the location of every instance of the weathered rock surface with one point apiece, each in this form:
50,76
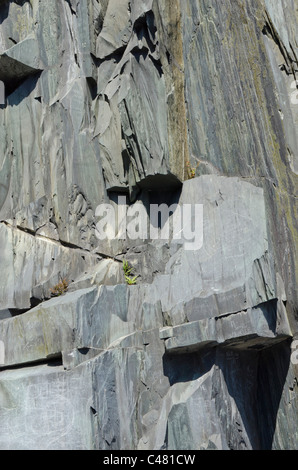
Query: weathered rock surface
133,98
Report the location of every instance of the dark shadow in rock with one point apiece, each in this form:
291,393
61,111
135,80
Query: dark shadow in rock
126,163
159,191
269,311
5,6
15,312
239,370
140,53
13,73
252,380
161,182
273,368
22,89
144,26
35,301
53,360
188,367
4,10
183,368
255,380
92,86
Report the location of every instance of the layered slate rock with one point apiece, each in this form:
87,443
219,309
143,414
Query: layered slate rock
174,104
127,339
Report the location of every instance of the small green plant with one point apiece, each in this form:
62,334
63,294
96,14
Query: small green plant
60,288
131,281
191,170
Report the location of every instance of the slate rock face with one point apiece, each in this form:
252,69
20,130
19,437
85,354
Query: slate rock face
189,103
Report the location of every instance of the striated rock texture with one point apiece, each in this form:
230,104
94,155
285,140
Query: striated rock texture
178,102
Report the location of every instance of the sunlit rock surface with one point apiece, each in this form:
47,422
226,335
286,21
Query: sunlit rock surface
190,102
